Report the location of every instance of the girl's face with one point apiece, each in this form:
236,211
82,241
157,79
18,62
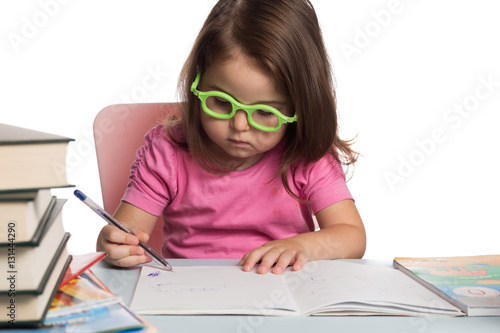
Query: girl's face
235,139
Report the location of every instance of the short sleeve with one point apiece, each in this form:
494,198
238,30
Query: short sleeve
322,183
152,180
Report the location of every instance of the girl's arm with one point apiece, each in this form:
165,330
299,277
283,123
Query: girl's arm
122,249
341,235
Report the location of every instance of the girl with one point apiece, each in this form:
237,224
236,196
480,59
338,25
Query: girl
254,153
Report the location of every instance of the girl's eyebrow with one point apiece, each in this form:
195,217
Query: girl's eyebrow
272,102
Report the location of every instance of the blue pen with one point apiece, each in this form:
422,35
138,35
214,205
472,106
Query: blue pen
111,220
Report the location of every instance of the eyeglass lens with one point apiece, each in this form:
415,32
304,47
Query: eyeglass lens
223,106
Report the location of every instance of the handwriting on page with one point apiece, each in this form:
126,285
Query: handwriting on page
155,273
166,288
185,288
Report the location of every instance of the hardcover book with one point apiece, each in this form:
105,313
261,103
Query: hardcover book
31,159
33,260
471,283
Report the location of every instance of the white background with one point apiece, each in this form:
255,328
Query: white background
403,71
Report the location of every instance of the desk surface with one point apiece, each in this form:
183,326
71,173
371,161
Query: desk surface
122,282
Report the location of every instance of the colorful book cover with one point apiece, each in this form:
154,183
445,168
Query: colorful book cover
115,317
80,294
85,304
471,283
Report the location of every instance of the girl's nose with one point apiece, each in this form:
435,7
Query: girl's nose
240,121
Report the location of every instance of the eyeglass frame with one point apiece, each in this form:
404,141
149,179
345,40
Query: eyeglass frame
249,109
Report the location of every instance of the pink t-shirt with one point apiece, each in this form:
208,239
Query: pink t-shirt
224,216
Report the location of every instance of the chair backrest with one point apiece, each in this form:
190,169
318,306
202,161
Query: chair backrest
118,132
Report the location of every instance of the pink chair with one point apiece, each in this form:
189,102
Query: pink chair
118,132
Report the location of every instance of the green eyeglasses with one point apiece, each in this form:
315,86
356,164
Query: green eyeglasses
223,106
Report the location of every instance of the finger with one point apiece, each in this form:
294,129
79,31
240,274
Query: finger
143,236
116,252
112,234
285,258
243,259
268,260
300,261
106,239
125,255
129,261
252,258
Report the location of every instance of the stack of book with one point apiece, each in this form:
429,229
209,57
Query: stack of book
33,252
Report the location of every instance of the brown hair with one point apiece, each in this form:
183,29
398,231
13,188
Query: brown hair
283,37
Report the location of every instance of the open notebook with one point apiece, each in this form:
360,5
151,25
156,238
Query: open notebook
320,288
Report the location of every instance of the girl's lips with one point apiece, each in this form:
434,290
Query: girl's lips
238,142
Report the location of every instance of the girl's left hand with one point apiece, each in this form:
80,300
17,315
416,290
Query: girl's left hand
342,236
280,253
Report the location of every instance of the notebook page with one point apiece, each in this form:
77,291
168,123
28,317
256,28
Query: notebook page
209,290
333,284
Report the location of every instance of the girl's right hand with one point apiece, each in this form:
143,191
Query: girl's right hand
122,249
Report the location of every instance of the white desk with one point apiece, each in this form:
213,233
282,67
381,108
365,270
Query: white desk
122,282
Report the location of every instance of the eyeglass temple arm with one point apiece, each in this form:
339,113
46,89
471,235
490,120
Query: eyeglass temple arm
195,84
